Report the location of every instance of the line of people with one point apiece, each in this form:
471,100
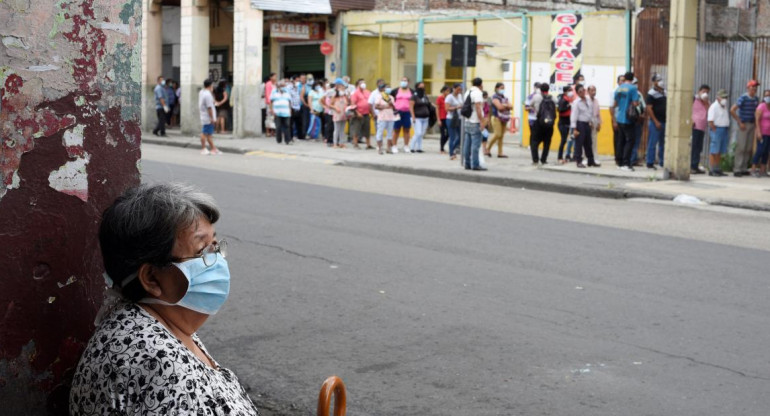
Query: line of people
303,109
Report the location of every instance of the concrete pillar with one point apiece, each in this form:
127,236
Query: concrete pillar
152,59
194,61
681,73
247,69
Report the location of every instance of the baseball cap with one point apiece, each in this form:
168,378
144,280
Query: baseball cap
752,83
339,81
722,93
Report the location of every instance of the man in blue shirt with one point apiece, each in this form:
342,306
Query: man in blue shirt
160,107
627,95
743,112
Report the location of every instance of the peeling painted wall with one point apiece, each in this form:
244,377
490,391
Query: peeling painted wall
70,85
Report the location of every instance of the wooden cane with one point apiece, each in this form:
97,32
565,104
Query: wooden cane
332,386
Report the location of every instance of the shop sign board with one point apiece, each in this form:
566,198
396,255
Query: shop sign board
297,30
566,47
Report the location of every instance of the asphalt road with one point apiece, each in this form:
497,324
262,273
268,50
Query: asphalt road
431,297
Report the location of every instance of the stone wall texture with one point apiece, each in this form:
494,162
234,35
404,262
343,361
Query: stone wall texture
70,85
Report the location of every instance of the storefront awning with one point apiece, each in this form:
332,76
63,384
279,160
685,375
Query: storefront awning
294,6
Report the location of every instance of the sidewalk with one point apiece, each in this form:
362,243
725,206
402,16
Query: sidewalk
516,171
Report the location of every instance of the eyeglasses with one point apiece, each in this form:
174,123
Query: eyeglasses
209,253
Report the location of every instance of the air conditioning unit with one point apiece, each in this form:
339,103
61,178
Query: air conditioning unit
506,66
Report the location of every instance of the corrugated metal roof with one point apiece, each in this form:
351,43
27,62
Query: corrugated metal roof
295,6
344,5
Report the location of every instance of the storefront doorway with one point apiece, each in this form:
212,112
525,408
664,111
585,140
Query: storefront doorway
304,58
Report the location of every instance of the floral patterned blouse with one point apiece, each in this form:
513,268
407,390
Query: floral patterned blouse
134,366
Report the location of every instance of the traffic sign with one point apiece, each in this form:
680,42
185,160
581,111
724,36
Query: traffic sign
327,48
458,45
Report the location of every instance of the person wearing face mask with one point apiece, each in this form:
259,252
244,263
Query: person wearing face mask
580,124
454,103
596,121
360,125
501,115
719,126
339,107
383,105
402,99
762,136
304,91
280,105
166,274
316,111
419,108
160,107
700,108
743,111
656,111
565,111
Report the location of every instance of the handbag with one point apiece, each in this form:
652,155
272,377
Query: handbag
455,123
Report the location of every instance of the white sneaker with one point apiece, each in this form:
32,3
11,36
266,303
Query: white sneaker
406,150
205,152
394,150
626,169
216,153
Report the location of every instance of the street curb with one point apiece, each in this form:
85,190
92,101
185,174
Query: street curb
611,193
620,192
185,145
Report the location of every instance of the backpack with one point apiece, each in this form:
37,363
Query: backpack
546,114
632,114
467,109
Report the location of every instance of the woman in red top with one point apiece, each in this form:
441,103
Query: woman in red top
442,116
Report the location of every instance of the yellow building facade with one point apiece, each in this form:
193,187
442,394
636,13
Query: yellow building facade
384,45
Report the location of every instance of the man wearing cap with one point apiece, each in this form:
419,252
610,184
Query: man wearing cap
627,95
719,132
743,112
656,111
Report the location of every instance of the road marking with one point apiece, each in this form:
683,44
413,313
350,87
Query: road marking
271,155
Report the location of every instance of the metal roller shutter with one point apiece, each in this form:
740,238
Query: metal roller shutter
302,58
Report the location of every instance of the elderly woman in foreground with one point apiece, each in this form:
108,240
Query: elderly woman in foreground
167,272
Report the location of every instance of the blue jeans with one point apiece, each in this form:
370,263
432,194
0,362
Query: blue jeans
454,138
471,145
420,128
637,141
657,137
763,151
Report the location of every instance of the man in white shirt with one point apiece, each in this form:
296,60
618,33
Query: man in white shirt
208,114
581,118
719,132
473,126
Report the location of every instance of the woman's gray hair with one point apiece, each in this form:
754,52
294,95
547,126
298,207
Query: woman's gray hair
141,227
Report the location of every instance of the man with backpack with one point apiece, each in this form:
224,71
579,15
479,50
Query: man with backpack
625,114
473,112
544,107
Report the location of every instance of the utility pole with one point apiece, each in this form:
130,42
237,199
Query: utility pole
681,75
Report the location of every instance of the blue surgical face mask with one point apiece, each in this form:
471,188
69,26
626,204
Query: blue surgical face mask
310,82
284,89
767,100
404,84
388,90
207,289
163,82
